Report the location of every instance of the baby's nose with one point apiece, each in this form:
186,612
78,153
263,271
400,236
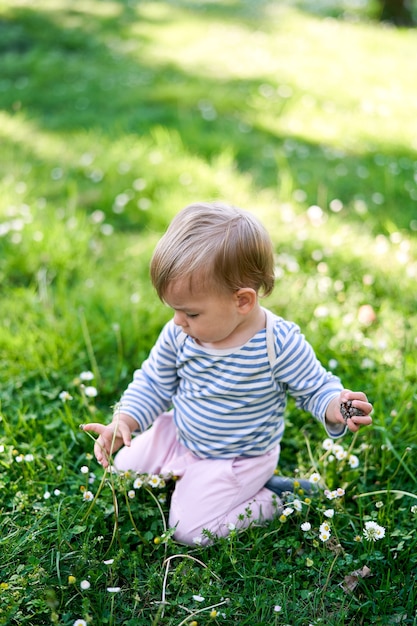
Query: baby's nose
179,318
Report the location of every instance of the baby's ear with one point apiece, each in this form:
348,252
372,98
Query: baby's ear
246,299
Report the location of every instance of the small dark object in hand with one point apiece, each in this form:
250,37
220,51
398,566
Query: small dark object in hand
347,410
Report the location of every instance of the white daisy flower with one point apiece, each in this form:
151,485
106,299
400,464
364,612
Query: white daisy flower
138,483
90,391
324,527
287,511
373,531
84,376
154,481
353,461
65,396
339,453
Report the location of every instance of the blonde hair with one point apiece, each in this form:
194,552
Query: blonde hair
220,246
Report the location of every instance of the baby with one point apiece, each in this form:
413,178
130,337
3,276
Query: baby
210,399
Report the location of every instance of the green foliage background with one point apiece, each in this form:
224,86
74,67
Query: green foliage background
113,116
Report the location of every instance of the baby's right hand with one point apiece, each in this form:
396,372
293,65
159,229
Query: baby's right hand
110,438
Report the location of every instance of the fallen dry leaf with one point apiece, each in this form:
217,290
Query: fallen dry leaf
351,581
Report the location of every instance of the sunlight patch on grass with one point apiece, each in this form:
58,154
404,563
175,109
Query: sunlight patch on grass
352,101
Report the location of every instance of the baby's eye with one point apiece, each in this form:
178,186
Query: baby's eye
192,314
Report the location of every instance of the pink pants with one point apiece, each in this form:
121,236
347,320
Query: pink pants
211,494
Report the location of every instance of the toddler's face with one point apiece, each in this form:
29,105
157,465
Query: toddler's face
210,317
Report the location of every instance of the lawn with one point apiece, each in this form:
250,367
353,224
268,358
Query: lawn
113,116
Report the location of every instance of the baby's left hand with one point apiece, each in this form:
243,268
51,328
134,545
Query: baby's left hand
354,400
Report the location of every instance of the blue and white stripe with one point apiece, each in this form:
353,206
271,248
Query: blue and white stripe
229,403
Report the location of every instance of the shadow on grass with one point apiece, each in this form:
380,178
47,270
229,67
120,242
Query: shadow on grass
70,72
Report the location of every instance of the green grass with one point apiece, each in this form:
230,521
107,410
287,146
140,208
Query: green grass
113,116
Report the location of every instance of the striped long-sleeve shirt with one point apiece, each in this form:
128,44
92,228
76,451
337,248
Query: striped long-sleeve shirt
229,403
